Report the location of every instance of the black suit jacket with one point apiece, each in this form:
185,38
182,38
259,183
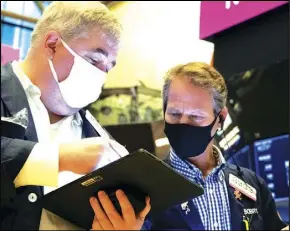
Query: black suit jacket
17,211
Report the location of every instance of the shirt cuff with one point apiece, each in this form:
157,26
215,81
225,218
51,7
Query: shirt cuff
41,167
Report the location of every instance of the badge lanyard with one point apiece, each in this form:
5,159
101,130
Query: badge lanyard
246,223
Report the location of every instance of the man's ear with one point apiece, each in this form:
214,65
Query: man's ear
52,40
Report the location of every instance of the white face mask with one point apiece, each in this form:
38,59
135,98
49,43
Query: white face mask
83,84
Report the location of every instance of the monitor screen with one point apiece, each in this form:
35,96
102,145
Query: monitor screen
242,158
272,164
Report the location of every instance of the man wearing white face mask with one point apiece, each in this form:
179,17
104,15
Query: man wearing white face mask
84,76
47,135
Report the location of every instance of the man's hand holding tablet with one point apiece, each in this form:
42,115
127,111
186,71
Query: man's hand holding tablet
108,218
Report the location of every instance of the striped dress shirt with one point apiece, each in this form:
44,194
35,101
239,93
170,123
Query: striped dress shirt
213,205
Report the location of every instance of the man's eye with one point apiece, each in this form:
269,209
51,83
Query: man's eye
175,114
94,62
196,117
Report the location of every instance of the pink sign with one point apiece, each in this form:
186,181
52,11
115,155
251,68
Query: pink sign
216,16
8,54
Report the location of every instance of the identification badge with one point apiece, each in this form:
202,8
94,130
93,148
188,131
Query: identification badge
96,125
243,187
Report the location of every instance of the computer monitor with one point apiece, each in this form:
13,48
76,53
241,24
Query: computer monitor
133,136
242,158
272,164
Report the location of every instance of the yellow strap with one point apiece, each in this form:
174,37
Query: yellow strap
246,224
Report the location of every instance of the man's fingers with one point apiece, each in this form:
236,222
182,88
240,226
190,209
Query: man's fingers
114,217
100,216
127,208
96,225
142,215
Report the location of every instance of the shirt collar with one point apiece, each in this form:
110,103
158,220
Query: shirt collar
77,119
215,148
186,167
73,121
221,157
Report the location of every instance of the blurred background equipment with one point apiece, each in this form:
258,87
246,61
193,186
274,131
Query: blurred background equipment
8,54
242,158
149,136
258,106
137,104
272,164
142,132
252,53
257,92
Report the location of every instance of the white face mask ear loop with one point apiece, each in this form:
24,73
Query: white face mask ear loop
52,69
69,49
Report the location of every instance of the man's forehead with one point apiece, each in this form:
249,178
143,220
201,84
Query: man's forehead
179,96
111,43
101,42
196,98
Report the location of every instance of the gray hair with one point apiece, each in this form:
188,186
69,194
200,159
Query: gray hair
200,75
74,19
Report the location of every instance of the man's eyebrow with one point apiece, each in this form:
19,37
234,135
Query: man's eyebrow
190,112
101,51
198,112
172,109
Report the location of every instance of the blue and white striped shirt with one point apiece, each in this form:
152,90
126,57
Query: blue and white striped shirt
213,206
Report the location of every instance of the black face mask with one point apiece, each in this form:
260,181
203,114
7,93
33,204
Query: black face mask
187,140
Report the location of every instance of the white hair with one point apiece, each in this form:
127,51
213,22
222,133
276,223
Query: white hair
74,19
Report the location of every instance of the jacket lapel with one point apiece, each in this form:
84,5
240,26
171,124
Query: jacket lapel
236,207
88,129
14,98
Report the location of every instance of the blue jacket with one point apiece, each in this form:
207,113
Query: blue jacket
265,215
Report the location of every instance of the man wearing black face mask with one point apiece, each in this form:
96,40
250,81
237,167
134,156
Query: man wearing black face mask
194,97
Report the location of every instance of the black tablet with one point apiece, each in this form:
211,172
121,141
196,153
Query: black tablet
138,174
